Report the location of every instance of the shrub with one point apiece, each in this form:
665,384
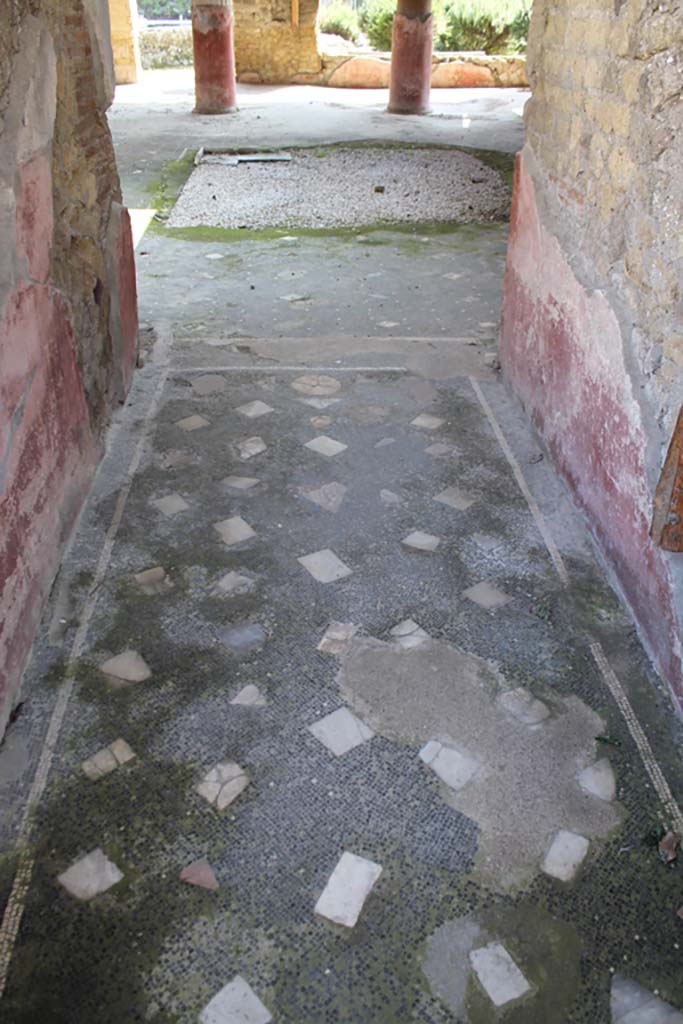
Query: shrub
376,20
166,47
164,8
339,20
494,26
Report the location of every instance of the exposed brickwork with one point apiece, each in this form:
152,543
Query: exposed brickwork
593,320
67,301
124,40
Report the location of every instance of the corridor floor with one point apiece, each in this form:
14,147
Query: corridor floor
334,716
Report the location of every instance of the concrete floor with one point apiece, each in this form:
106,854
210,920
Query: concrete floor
445,809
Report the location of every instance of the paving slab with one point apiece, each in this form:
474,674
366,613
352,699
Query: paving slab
347,889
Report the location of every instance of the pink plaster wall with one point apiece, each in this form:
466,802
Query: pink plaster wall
51,428
562,351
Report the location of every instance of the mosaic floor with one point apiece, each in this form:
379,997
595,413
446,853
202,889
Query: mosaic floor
337,747
334,717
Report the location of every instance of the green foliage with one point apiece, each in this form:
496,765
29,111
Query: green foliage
339,19
494,26
164,9
376,19
166,47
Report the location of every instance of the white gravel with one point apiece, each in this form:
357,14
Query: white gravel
337,189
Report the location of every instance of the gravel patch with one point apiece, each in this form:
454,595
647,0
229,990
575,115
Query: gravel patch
344,188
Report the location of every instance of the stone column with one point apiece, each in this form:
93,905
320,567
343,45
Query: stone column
214,57
411,57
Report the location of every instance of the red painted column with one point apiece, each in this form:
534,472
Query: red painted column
214,57
411,57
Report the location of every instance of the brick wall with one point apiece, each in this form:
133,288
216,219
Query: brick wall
269,46
68,330
592,336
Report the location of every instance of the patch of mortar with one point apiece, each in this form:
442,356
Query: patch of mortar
526,789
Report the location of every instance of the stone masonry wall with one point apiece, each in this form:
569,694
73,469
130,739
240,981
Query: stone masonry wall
592,334
68,320
268,45
124,39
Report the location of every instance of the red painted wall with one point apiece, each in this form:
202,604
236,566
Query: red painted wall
58,333
562,351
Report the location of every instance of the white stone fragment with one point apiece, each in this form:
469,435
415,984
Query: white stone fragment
630,1003
236,1003
347,889
408,634
250,447
121,751
439,448
523,706
153,581
565,856
455,498
90,876
234,530
128,667
320,403
328,496
190,423
223,783
324,566
336,637
100,764
498,974
232,583
240,483
250,696
388,497
316,385
254,409
486,595
326,446
385,441
170,504
425,421
341,731
421,541
598,780
453,766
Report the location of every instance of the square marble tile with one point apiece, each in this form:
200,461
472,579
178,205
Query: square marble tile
327,446
565,855
421,541
454,767
324,566
234,530
190,423
90,875
341,731
250,447
455,498
425,421
236,1003
486,596
255,409
170,504
222,784
336,637
240,483
327,496
498,974
347,889
408,634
